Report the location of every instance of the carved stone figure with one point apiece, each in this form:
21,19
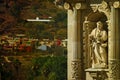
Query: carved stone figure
98,42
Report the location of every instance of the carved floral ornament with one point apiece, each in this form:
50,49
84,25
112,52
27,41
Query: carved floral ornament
114,69
76,5
76,69
116,4
66,5
103,7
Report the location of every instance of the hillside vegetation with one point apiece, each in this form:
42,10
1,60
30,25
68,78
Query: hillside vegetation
14,15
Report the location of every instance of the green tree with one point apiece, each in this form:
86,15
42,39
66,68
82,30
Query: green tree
15,10
50,68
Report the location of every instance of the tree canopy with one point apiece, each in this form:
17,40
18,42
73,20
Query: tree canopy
18,11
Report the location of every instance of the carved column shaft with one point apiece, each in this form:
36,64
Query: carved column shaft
114,45
74,45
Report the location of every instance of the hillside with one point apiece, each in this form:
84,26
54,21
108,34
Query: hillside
14,13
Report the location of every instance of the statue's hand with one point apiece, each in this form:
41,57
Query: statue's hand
91,37
104,44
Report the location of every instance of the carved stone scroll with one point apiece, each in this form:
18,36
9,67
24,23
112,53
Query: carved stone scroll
104,7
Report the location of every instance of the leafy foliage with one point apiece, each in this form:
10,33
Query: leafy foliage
21,10
15,10
50,68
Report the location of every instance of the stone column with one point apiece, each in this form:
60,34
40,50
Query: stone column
114,43
74,42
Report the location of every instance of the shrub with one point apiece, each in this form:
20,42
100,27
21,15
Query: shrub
52,68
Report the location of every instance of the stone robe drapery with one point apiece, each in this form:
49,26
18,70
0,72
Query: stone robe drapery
98,48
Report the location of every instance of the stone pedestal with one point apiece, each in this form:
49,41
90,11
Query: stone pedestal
96,74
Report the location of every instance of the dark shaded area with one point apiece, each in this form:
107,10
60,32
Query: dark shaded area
1,20
95,1
97,16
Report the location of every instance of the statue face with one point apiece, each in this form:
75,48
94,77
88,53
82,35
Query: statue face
94,8
99,25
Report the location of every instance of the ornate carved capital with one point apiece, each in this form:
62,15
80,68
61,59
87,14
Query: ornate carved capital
66,5
75,5
76,68
80,6
114,69
116,4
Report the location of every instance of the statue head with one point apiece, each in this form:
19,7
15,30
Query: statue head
94,7
99,25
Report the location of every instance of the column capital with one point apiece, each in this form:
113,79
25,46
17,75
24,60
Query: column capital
66,5
80,5
75,5
116,4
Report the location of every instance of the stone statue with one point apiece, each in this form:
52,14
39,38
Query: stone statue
98,44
